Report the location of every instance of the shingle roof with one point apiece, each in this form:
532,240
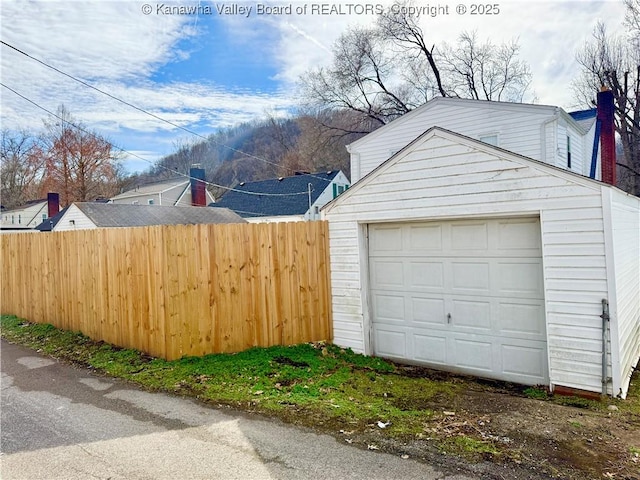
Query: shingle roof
282,196
122,215
153,188
50,223
584,117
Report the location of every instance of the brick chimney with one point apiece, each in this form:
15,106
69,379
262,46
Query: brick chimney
605,117
53,204
198,187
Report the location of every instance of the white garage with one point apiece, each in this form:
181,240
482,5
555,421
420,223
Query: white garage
461,256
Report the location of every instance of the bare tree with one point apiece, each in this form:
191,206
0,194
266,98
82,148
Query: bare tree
21,167
485,71
383,72
79,163
614,62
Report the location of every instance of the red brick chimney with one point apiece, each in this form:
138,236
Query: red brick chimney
198,187
53,204
607,135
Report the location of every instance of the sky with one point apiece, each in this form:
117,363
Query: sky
211,65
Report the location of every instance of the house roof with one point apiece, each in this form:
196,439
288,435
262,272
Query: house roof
153,188
50,223
122,215
276,196
585,118
407,117
27,204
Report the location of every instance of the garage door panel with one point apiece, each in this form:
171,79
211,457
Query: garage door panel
386,239
473,236
470,277
388,274
427,238
471,314
427,276
389,308
520,279
428,310
524,360
473,354
486,273
430,348
519,235
391,343
522,320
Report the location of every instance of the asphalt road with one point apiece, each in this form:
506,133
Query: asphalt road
59,421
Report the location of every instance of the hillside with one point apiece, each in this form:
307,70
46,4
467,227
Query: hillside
255,151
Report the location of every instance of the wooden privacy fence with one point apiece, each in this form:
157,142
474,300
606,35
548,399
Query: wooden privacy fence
174,291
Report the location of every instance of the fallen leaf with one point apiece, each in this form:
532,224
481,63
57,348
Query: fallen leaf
383,425
449,414
372,447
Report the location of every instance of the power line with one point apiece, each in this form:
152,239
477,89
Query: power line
146,112
144,159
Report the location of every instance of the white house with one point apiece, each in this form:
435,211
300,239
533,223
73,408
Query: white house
541,132
464,256
31,214
183,191
285,199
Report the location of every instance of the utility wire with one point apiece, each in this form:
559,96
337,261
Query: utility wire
144,159
146,112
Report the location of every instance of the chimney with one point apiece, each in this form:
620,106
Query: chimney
605,117
198,187
53,204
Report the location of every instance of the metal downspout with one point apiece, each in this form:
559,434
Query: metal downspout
605,324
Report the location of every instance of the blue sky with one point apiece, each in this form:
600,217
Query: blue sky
210,71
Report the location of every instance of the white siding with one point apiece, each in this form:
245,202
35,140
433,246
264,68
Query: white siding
74,219
326,196
444,176
625,331
29,216
519,129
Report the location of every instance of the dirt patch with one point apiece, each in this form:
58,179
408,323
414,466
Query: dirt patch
494,430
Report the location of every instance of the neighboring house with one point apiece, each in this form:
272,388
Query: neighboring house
463,256
295,198
82,216
31,214
544,133
26,216
175,192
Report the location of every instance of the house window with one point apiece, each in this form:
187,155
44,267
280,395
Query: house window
490,139
340,189
317,210
568,151
13,219
44,217
19,219
150,201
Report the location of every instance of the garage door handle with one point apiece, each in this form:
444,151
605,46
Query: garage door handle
448,318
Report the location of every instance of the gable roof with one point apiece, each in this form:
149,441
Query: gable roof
122,215
585,118
277,196
50,223
408,117
154,188
472,143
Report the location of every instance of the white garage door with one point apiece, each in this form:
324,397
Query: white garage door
465,296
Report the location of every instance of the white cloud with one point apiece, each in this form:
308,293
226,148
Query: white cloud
114,46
